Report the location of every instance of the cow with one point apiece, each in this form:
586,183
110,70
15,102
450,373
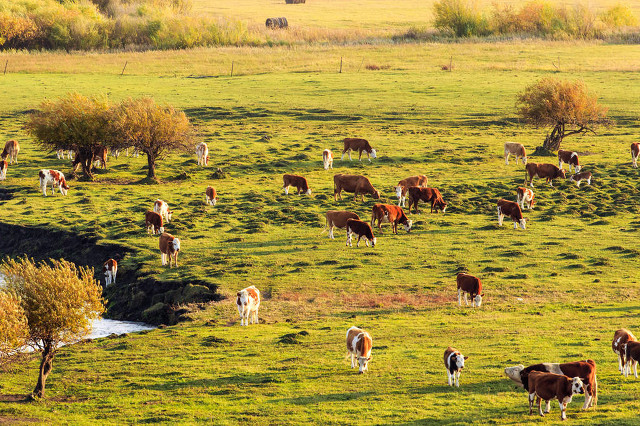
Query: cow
548,386
358,144
635,152
169,247
153,222
162,208
135,153
361,229
353,183
585,370
3,169
56,178
454,363
620,338
11,150
579,177
248,302
299,182
468,284
338,219
569,157
403,187
359,346
517,150
61,153
110,270
211,196
202,153
428,195
100,156
390,214
511,209
631,357
543,171
327,159
115,152
525,195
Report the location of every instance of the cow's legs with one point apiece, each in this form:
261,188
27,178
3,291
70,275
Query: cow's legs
506,157
500,217
286,190
547,408
449,377
539,400
255,316
563,408
532,397
466,300
359,155
635,368
331,233
358,243
353,360
459,297
457,373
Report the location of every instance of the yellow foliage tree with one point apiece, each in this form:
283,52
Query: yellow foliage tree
13,326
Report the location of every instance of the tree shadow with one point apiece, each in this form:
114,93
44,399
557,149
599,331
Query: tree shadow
315,399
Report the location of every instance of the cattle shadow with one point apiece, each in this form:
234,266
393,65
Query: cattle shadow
315,399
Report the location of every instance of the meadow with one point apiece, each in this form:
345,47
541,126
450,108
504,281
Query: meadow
555,292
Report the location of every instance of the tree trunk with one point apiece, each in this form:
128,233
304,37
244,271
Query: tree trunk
45,368
84,158
552,142
151,164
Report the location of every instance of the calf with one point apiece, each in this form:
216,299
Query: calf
353,183
11,150
169,247
543,171
299,182
428,195
579,177
56,178
468,284
525,195
361,229
100,156
635,152
202,153
403,187
511,209
515,149
3,169
248,302
390,214
631,357
548,386
358,144
327,159
338,219
162,208
211,195
359,346
569,157
110,270
153,222
454,363
620,338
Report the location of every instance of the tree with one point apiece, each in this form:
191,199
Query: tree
59,301
13,327
566,106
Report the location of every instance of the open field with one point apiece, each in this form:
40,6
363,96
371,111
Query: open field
555,292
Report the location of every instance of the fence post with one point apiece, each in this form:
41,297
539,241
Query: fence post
123,68
232,68
5,67
340,64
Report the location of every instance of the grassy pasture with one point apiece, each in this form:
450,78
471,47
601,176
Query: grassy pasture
555,292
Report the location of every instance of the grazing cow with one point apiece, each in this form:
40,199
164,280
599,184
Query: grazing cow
390,214
110,270
569,157
620,338
543,171
100,156
11,150
327,159
169,247
468,284
515,149
299,182
525,195
202,153
635,152
338,219
403,187
359,346
3,169
358,144
454,363
361,229
548,386
211,195
248,302
511,209
61,154
162,208
153,222
135,153
353,183
631,357
579,177
428,195
115,152
56,178
585,370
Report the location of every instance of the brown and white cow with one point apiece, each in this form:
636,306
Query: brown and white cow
169,248
548,386
454,363
359,346
631,357
100,156
620,338
403,187
543,171
299,182
468,284
390,214
110,270
360,145
585,370
353,183
511,209
569,157
211,196
11,150
202,153
579,177
162,208
154,223
338,219
327,159
56,178
525,195
428,195
635,152
517,150
3,169
248,302
361,229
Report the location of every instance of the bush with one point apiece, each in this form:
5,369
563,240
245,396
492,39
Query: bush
461,17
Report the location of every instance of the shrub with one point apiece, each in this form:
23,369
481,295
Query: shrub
461,17
619,16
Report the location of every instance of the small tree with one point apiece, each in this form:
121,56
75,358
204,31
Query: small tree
564,105
59,301
13,327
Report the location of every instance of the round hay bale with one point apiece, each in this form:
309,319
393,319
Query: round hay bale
270,23
284,23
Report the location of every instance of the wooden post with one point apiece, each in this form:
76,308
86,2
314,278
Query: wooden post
451,63
5,67
340,64
123,68
361,64
232,68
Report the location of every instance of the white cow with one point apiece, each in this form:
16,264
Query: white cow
54,177
248,302
327,159
202,152
359,346
162,208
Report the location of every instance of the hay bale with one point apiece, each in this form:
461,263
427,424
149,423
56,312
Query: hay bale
295,1
274,23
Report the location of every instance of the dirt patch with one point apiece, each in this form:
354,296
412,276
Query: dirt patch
13,398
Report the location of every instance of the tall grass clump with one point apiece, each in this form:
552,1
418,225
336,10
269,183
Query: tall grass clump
462,18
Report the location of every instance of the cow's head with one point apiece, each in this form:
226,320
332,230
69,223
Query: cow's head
407,225
441,204
161,230
373,153
175,244
563,174
363,363
376,194
577,386
578,168
524,160
64,188
514,373
308,191
478,299
523,223
169,213
458,361
398,190
373,242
